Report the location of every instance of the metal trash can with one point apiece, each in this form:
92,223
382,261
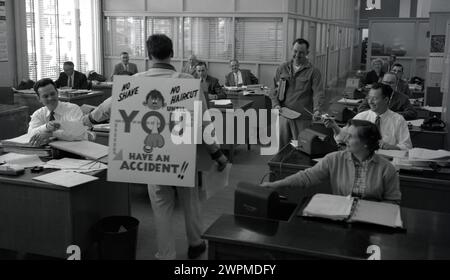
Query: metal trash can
117,238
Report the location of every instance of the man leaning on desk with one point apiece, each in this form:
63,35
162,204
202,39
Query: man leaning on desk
49,121
393,127
358,171
71,78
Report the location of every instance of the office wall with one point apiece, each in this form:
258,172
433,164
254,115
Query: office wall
302,16
8,68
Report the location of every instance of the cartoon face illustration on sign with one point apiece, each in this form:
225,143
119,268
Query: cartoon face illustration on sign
155,100
153,122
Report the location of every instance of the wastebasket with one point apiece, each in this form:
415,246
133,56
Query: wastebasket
117,238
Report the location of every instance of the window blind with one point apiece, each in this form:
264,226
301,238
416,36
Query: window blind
259,39
167,26
124,34
54,36
208,38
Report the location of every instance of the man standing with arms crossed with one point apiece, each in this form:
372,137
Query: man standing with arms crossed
298,87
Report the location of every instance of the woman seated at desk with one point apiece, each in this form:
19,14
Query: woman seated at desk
357,171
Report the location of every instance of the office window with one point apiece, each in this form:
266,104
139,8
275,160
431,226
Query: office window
259,39
168,26
124,34
55,30
208,38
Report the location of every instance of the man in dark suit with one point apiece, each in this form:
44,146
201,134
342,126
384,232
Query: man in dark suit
210,85
189,68
71,78
239,77
125,68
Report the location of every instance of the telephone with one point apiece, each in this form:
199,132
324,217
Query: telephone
433,124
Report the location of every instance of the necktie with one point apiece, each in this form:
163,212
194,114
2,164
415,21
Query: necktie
126,68
378,123
236,79
69,84
52,116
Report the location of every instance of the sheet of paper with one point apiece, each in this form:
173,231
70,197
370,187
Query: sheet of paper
433,109
385,214
73,129
23,140
23,161
65,179
290,114
393,154
329,206
350,101
215,181
75,164
86,149
416,122
222,102
426,154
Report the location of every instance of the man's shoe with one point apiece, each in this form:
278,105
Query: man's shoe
195,251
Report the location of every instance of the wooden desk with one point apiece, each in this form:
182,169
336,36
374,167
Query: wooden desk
243,238
45,219
420,189
238,104
105,87
14,121
30,99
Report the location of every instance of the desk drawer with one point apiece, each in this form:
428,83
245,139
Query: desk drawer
225,251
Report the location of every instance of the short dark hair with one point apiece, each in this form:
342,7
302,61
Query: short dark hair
69,63
398,65
301,41
386,90
159,46
43,83
368,133
201,63
123,53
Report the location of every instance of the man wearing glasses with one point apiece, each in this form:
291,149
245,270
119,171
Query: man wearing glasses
398,102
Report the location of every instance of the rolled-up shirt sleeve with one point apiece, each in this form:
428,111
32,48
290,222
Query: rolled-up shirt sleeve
38,123
391,184
311,176
403,136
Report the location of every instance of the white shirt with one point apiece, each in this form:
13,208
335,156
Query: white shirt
238,78
68,114
393,128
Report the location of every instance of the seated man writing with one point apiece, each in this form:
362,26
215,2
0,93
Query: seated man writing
357,171
56,119
392,126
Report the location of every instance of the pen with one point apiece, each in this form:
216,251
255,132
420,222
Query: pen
307,111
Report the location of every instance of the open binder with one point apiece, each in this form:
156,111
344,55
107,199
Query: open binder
349,209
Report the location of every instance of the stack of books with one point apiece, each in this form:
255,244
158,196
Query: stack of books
21,145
